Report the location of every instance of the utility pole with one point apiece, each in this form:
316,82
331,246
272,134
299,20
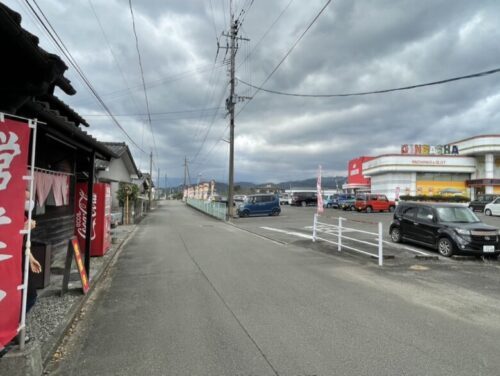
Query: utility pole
150,178
158,184
185,175
231,102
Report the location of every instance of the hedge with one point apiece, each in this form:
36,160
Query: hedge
435,198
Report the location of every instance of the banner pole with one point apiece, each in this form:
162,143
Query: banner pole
22,339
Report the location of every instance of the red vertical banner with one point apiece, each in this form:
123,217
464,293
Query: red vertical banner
14,150
319,195
101,217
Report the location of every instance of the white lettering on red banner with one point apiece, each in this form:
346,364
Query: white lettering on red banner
14,144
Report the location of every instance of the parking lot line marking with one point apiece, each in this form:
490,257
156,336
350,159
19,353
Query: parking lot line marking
299,234
404,247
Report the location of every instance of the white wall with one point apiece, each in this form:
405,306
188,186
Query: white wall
387,183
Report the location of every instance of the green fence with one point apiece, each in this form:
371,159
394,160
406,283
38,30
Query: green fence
215,209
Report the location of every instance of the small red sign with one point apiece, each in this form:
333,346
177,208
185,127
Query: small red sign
80,265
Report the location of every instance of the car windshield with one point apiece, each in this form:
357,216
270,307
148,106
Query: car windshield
457,215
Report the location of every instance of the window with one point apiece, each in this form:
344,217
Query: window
409,211
457,215
425,213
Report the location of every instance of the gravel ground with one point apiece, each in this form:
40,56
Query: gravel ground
51,309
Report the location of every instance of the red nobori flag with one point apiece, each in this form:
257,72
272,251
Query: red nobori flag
320,208
14,144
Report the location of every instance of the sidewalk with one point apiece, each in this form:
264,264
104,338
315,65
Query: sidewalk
49,319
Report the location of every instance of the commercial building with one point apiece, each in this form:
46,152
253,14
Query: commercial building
467,167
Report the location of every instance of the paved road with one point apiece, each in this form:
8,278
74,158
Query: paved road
193,296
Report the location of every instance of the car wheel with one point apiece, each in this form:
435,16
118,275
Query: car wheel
244,213
369,209
396,235
353,208
391,209
445,247
303,204
275,212
487,212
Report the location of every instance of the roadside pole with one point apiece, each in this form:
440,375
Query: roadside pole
380,245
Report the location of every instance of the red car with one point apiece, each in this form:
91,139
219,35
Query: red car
371,202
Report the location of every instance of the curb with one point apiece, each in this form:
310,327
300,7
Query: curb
51,346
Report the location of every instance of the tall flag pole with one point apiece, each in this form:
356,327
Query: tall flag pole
320,208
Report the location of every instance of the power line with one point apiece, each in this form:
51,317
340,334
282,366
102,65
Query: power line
142,76
266,32
118,93
440,82
159,113
115,59
213,18
286,55
52,33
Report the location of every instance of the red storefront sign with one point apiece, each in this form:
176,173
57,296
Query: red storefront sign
101,217
14,144
355,171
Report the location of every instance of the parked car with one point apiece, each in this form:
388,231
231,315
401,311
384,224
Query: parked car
343,198
449,228
261,204
304,198
493,208
348,204
480,202
284,199
371,202
328,200
238,199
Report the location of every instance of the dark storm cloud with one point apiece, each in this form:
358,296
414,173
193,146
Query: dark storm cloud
354,46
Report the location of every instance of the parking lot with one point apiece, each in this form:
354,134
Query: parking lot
295,225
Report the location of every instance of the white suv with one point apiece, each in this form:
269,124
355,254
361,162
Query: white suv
493,208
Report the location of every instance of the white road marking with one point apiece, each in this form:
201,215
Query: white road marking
407,248
299,234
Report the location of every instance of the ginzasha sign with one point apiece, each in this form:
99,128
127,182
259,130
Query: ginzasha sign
419,149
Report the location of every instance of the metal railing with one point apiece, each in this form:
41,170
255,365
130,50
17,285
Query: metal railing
215,209
338,231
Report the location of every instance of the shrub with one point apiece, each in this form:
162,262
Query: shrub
435,198
123,189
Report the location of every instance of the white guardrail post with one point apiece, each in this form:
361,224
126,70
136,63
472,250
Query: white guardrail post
315,221
339,247
380,245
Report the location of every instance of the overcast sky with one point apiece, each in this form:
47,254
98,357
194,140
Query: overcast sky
353,46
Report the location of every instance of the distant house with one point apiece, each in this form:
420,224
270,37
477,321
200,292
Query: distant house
268,188
118,170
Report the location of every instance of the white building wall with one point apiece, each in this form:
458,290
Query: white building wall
388,183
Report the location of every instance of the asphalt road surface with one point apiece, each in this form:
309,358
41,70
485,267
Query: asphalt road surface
190,295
